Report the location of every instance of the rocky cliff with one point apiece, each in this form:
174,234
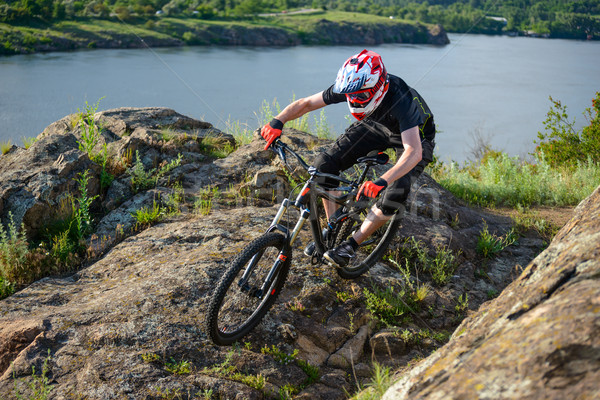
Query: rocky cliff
129,322
540,339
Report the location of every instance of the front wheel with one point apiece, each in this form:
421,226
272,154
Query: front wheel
372,249
237,305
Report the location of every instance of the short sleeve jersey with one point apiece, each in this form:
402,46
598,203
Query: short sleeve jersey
402,108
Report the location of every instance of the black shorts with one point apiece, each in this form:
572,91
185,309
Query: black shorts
361,138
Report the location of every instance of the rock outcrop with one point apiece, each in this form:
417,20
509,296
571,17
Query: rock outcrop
540,339
129,323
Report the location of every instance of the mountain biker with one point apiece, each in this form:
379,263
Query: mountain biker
389,114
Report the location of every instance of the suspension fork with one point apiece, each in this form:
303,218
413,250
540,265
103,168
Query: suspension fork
283,254
274,225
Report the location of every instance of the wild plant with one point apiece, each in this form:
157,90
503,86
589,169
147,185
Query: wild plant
378,385
81,207
462,304
39,386
500,180
415,255
390,306
147,216
28,142
216,146
90,130
140,178
5,147
488,244
6,288
174,199
241,133
181,367
562,144
280,356
14,249
322,129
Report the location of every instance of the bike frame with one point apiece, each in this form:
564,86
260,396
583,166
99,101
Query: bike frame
307,203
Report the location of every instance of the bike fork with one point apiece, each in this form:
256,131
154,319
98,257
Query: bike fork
282,257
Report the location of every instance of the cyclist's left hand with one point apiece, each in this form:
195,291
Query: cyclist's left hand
371,189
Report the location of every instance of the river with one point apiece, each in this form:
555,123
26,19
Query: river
494,87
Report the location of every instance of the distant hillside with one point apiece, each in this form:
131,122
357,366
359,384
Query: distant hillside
325,28
552,18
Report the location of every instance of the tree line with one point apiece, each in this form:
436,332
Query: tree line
554,18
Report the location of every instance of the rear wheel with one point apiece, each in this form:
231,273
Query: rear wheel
372,249
236,307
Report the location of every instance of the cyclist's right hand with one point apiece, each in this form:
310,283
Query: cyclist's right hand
271,131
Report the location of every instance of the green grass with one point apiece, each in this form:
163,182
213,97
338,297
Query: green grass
500,180
5,147
146,216
488,244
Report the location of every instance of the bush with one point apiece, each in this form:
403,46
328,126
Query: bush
561,144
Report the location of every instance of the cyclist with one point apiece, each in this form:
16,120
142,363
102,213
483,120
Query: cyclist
389,114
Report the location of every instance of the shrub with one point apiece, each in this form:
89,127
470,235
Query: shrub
561,144
13,252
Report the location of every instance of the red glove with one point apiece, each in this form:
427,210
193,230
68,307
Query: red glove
271,131
371,189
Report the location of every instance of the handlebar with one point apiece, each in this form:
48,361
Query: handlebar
280,148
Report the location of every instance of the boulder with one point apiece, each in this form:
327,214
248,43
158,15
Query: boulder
538,340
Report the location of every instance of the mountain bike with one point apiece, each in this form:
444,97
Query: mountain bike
256,276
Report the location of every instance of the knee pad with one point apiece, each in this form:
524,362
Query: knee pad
325,163
394,197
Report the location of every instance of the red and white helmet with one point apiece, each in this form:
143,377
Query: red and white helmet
364,81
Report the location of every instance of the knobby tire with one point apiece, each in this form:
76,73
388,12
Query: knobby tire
367,255
233,313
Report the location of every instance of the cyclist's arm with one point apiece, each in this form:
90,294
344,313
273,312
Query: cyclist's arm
412,155
300,107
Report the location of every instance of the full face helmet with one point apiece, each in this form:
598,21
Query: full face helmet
364,81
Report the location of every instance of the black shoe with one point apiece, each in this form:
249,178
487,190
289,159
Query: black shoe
340,256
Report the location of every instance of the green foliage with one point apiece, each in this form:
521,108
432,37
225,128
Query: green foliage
90,131
488,244
278,355
182,367
28,142
81,207
6,288
462,304
5,147
39,386
380,382
566,168
14,249
216,146
507,181
561,145
150,357
227,370
142,179
147,216
414,255
391,305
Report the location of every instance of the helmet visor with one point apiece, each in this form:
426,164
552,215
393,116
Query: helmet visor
361,97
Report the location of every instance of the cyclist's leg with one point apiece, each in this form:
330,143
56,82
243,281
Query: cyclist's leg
395,196
358,140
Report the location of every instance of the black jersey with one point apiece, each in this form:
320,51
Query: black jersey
402,108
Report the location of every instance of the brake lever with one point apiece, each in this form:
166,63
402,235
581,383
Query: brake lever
281,153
